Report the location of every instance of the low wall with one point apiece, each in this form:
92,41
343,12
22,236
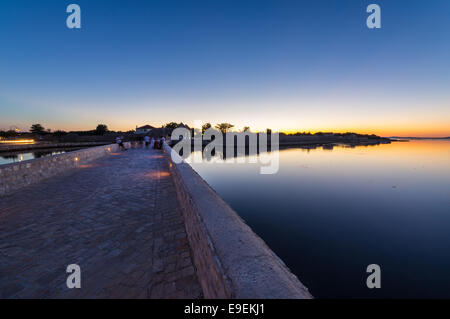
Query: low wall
231,260
17,175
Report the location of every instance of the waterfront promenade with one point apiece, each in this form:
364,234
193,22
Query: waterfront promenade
116,217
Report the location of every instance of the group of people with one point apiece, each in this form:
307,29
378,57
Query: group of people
157,143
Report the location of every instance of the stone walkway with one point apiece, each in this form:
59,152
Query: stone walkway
117,218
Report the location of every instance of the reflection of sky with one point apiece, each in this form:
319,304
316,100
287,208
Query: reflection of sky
329,214
291,65
15,158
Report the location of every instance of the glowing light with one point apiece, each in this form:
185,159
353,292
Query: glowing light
17,141
88,165
76,159
157,174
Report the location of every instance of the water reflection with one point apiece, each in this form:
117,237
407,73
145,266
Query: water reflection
215,153
8,158
39,154
328,213
13,157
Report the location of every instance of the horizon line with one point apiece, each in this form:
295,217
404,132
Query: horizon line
287,132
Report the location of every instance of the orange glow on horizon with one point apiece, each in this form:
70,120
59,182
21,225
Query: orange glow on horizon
388,133
406,131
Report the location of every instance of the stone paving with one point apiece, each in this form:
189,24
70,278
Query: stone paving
117,218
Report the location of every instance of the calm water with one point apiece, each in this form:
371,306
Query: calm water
330,213
20,157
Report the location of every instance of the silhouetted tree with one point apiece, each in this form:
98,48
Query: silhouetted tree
246,129
59,133
205,127
101,129
37,129
269,131
224,127
171,125
7,134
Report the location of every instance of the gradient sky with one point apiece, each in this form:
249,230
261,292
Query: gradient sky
287,65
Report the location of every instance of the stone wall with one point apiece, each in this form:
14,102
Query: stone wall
17,175
231,260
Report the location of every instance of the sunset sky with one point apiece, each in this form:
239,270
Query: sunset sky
287,65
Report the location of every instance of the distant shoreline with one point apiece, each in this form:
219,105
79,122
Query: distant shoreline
313,141
393,138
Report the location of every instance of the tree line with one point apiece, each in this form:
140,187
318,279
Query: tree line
39,129
102,129
222,127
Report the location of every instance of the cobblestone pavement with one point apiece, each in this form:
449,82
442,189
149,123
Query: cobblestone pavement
117,218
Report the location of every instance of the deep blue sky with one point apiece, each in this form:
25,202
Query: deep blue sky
306,65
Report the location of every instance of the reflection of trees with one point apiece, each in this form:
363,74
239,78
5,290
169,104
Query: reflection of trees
18,157
40,154
219,151
14,157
